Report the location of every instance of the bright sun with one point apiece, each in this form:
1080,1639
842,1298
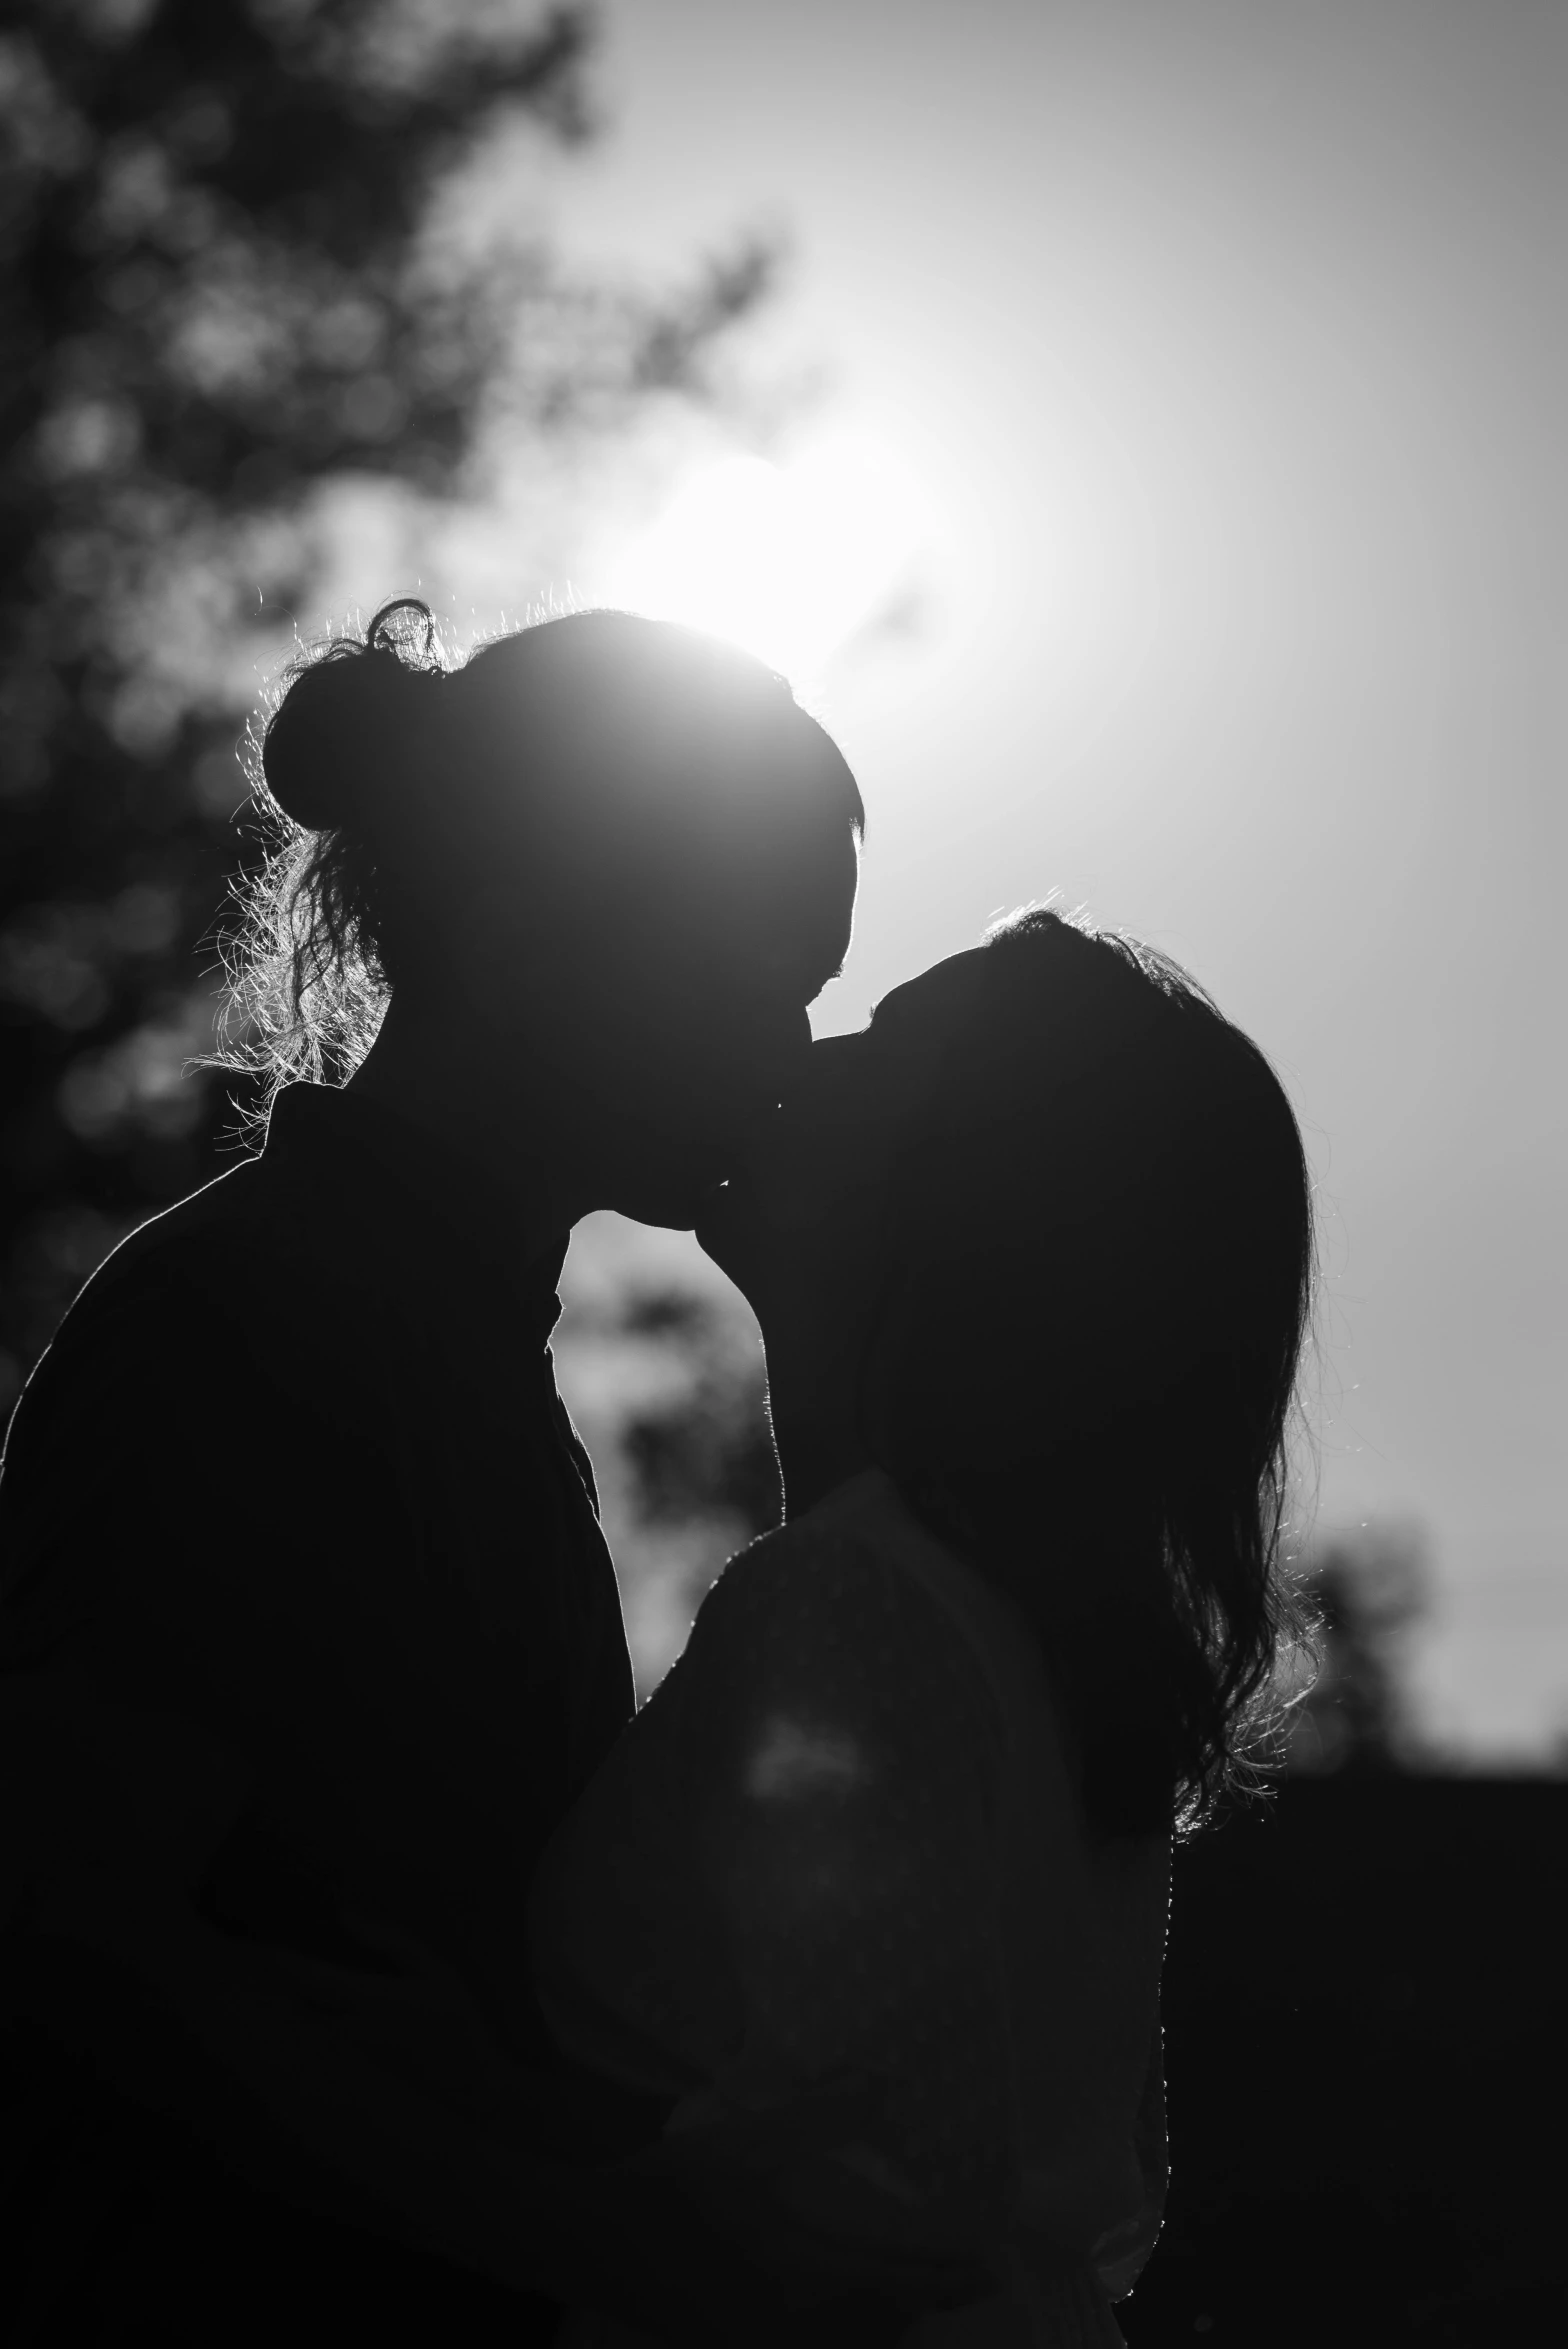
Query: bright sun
786,559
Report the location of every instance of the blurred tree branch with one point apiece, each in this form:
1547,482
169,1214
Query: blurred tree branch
235,278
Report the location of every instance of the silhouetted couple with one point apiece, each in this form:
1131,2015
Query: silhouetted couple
369,1967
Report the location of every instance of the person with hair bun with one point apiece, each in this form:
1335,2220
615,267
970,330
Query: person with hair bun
1033,1259
565,903
292,1515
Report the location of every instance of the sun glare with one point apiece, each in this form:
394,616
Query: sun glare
787,559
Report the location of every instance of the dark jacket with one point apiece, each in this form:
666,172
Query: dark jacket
295,1470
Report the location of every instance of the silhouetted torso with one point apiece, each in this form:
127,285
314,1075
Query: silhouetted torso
295,1469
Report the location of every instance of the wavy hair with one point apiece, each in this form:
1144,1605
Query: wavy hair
308,958
1085,1370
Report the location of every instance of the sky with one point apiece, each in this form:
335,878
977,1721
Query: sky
1223,346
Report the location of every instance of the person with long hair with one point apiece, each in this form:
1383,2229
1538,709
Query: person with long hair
294,1481
1032,1257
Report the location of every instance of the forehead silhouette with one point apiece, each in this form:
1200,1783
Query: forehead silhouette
619,697
675,771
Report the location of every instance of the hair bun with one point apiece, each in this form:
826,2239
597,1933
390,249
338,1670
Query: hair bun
342,720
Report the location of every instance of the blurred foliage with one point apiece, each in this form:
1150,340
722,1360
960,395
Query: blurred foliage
660,1361
231,280
706,1451
1370,1590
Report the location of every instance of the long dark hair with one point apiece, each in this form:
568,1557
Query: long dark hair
406,789
1102,1265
